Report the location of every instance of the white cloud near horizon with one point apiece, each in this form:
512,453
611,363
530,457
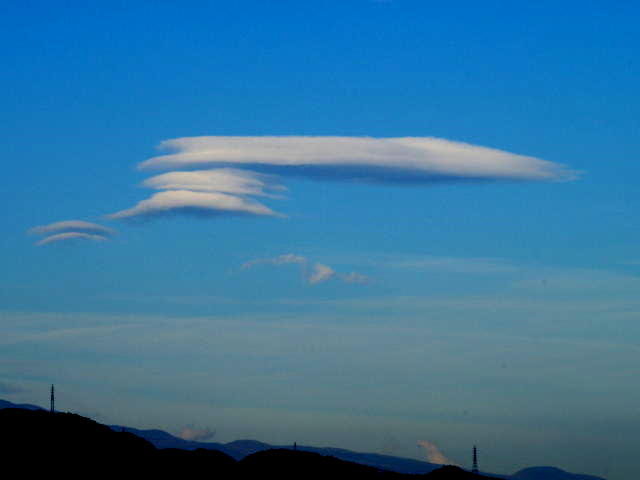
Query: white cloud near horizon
408,159
193,434
434,454
313,272
61,237
197,203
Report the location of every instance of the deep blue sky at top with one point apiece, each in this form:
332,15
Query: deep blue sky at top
89,89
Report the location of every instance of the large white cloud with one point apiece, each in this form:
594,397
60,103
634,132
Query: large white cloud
197,203
205,183
415,159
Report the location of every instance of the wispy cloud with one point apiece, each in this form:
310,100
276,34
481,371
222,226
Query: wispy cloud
469,265
313,272
279,260
69,230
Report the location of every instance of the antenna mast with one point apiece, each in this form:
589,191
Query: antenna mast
53,399
474,469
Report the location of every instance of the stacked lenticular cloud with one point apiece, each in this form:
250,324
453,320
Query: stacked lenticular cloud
218,175
205,192
71,230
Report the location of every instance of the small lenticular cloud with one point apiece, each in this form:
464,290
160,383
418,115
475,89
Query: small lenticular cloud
61,237
171,202
72,226
71,230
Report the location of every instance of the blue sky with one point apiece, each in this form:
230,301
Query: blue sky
500,312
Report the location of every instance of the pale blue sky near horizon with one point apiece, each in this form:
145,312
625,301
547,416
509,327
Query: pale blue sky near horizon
498,313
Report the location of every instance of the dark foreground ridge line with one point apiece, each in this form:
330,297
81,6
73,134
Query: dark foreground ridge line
35,439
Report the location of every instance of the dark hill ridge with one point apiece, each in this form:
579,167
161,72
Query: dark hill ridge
38,443
240,449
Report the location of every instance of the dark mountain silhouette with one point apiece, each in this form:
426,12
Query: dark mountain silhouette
450,472
295,464
239,449
39,443
29,432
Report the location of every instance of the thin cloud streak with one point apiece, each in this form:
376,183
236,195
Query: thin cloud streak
313,272
280,260
467,265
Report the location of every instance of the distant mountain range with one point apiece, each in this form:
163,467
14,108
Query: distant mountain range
7,404
241,449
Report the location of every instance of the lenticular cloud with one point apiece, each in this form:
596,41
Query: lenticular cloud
61,237
199,203
219,175
416,159
224,180
72,226
71,230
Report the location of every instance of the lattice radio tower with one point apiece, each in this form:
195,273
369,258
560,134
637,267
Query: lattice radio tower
53,399
474,469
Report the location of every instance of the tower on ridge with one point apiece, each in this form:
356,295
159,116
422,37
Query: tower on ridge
53,399
474,469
